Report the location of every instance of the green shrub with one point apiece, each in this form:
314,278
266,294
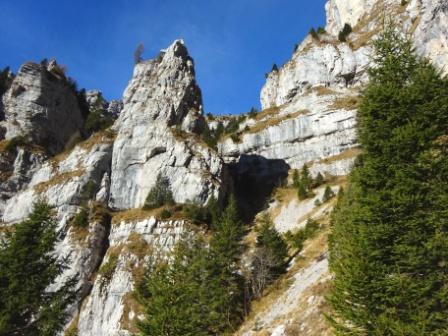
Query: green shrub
107,270
165,214
319,180
296,240
328,194
81,219
314,34
95,122
203,215
321,31
160,194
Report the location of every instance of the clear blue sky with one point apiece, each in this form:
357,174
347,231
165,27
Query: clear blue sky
233,42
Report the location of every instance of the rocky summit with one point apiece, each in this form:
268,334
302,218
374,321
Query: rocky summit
308,117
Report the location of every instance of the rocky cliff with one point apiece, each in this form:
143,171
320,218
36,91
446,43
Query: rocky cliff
309,117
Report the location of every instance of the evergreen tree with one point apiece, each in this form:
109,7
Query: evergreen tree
270,239
305,177
28,267
319,180
172,292
225,285
328,194
199,291
160,194
389,247
295,178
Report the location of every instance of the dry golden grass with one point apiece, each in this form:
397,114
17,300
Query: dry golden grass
264,124
347,154
364,39
415,24
138,246
133,215
72,329
106,136
322,90
272,111
284,196
6,229
137,214
346,103
80,234
58,179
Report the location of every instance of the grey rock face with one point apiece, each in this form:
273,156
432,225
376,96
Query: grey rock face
114,108
41,106
16,170
162,110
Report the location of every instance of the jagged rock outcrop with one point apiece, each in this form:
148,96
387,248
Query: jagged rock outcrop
41,106
156,133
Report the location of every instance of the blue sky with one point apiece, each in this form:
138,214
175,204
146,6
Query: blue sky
234,42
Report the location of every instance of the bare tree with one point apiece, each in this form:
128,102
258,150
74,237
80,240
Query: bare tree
261,276
138,53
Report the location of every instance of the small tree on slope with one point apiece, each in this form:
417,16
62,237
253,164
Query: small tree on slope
389,242
27,267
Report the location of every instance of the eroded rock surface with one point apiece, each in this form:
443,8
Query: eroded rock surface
41,106
156,134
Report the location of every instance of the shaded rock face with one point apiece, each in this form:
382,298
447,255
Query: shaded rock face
254,178
41,106
162,110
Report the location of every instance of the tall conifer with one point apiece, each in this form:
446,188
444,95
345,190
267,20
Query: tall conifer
389,242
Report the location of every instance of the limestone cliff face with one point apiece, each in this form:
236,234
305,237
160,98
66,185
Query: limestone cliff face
41,106
156,134
308,117
309,104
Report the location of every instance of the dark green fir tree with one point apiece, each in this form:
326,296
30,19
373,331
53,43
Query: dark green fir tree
389,241
28,267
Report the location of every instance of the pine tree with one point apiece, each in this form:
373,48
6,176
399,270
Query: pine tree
295,178
389,247
270,256
270,239
160,194
319,180
172,292
28,267
225,285
328,194
305,177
